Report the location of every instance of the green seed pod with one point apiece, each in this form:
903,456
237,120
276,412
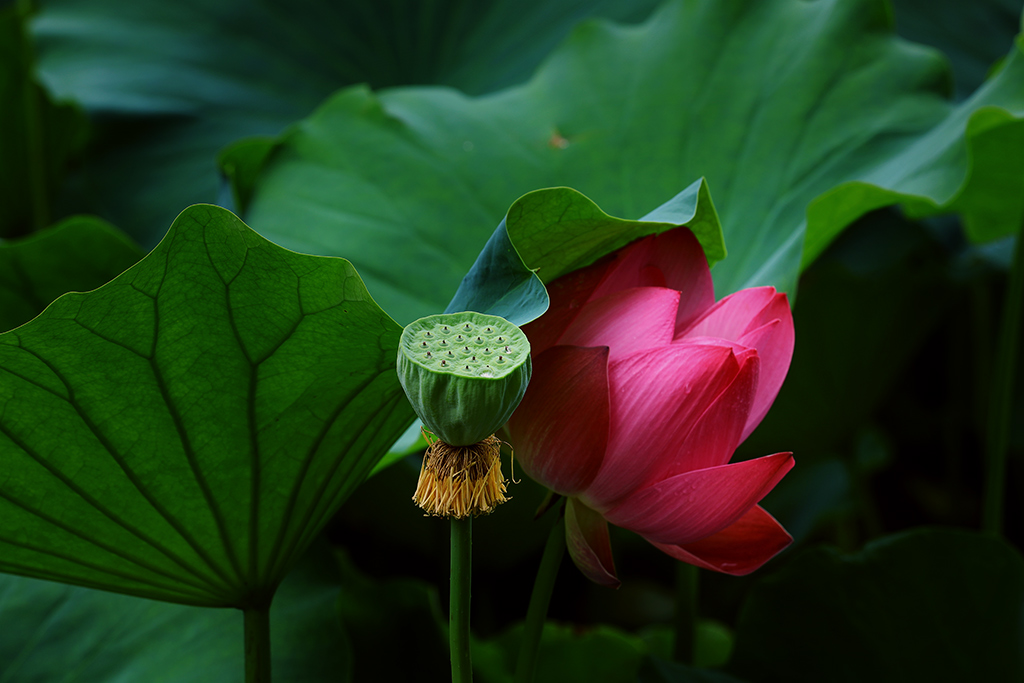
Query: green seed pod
464,373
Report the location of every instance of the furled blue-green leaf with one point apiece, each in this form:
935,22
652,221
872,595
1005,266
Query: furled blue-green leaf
548,233
55,632
171,83
76,255
183,432
774,102
937,605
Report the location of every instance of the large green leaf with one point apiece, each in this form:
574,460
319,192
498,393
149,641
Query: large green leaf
76,255
182,432
973,35
935,605
38,135
170,83
54,632
970,162
798,98
548,233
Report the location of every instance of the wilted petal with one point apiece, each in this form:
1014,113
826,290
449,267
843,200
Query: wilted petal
586,536
738,549
560,429
693,505
657,396
626,321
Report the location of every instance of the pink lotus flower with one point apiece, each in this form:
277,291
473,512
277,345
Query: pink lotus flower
643,386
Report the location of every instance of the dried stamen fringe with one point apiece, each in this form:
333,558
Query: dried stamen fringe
459,481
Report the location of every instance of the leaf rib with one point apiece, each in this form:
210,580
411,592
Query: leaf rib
103,546
185,597
384,410
190,454
315,500
277,553
139,486
250,412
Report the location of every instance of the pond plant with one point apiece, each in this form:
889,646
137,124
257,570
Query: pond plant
269,270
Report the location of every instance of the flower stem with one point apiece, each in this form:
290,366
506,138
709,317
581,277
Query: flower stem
998,429
537,612
257,644
685,620
461,581
35,168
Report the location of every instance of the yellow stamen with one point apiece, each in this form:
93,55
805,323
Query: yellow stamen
459,481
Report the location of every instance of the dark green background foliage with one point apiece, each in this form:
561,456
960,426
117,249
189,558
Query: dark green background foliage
197,420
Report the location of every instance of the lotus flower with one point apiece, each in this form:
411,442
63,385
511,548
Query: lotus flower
643,387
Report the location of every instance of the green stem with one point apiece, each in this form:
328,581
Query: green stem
35,161
257,644
685,620
461,582
1001,402
537,612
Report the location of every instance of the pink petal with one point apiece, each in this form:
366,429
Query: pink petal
586,536
560,429
568,294
760,319
774,344
657,396
693,505
738,549
672,259
719,430
626,321
737,314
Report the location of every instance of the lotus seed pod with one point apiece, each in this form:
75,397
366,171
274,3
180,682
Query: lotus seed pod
464,373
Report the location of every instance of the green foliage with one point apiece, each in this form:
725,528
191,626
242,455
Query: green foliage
71,634
839,101
171,83
76,255
39,135
183,432
547,233
940,605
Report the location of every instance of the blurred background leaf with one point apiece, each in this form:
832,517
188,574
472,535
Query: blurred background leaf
56,632
838,99
972,35
39,136
168,84
76,255
944,605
